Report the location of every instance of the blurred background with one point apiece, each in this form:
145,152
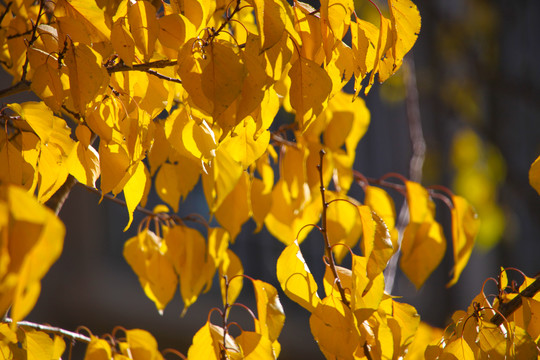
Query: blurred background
474,78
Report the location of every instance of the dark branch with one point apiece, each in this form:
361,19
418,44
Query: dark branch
142,67
507,309
19,87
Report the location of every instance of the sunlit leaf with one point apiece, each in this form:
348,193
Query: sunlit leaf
237,199
134,189
231,266
141,345
144,26
146,253
405,20
296,279
32,240
208,343
98,349
38,345
465,226
334,328
269,310
186,249
123,42
255,346
85,16
367,293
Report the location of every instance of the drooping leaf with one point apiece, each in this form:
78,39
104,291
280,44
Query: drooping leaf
296,279
269,310
255,346
309,92
465,226
32,240
405,20
334,328
208,342
134,188
146,253
231,266
237,199
144,26
98,349
123,42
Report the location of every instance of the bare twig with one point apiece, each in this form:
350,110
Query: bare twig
328,246
51,330
416,163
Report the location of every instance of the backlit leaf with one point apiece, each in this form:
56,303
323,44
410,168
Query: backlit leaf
334,328
123,42
146,253
269,310
231,266
144,26
141,345
208,342
32,240
255,346
405,20
309,92
187,252
237,199
465,226
134,189
295,278
98,349
87,14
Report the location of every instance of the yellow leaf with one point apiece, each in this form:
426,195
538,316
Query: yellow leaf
174,181
196,11
376,243
134,189
424,336
271,17
383,44
269,310
38,345
296,279
534,175
87,77
212,76
330,283
32,241
334,328
231,266
255,346
405,20
87,15
174,30
98,349
47,85
457,349
245,146
364,39
114,164
403,322
123,42
142,345
146,253
343,224
221,178
309,92
83,164
422,236
285,220
261,192
340,67
187,252
237,199
144,26
367,293
383,205
208,342
465,226
309,29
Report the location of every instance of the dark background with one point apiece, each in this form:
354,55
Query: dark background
476,69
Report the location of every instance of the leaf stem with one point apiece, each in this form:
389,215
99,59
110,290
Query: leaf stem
328,246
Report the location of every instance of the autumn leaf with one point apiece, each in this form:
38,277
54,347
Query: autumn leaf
146,253
296,279
309,92
144,26
534,175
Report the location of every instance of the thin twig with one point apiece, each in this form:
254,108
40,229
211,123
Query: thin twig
51,330
416,163
328,246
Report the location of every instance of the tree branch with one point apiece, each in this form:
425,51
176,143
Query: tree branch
51,330
328,246
142,67
23,85
507,309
